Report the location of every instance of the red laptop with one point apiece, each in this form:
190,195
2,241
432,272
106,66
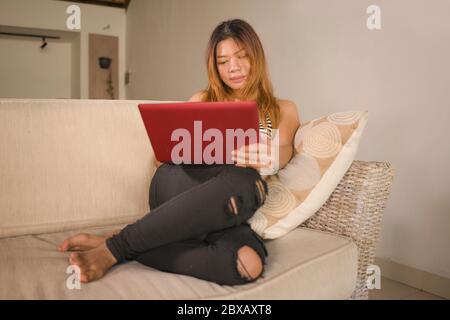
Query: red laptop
200,132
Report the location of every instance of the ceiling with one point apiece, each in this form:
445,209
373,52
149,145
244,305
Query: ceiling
109,3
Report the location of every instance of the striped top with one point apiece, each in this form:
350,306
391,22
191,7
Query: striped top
266,130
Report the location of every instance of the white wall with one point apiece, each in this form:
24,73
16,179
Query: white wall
27,72
322,56
51,14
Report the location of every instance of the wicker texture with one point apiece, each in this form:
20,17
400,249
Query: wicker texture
355,209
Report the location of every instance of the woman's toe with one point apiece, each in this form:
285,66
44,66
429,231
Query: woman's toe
75,258
64,245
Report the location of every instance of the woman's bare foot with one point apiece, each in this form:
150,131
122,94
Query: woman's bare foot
84,241
81,242
93,263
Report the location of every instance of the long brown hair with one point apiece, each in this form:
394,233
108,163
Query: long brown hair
258,87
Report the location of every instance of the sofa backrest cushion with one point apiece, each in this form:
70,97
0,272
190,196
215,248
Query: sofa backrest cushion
66,164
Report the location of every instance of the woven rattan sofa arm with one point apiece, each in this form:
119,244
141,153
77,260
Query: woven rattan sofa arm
355,209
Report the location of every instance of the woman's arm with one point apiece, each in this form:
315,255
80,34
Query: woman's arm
289,123
157,163
197,97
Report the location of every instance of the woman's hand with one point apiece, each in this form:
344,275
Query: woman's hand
256,155
157,163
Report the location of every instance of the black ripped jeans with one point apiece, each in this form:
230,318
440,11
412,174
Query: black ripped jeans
192,227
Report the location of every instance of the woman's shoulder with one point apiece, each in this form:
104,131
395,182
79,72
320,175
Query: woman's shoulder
286,104
288,109
198,96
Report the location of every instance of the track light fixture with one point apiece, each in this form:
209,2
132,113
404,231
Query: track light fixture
43,37
44,43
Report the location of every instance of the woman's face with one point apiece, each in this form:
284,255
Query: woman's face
233,64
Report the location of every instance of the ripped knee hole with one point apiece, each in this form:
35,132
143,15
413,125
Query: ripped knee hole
249,263
232,205
262,191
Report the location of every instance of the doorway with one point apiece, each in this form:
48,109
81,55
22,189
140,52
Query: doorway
103,67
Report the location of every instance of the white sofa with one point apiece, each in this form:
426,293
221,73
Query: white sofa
85,165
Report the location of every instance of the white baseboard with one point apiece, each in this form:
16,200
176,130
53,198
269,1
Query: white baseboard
416,278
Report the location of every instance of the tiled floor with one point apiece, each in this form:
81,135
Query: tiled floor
393,290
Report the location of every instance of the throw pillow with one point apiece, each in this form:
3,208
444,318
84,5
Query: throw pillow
324,150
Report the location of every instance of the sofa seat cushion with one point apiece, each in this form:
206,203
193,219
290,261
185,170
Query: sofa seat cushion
304,264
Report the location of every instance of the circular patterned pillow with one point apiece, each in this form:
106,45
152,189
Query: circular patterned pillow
324,150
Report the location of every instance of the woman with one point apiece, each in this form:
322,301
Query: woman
198,222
